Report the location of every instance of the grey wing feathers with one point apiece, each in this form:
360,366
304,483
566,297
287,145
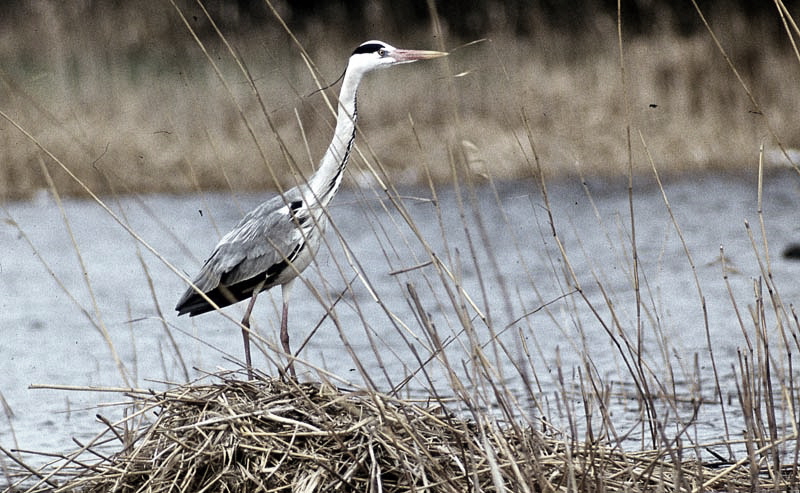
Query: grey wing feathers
264,238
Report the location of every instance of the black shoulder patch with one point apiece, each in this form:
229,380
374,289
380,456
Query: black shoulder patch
297,214
368,48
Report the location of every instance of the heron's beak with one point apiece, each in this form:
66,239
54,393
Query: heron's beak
405,56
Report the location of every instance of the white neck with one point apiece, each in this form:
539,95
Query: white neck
324,183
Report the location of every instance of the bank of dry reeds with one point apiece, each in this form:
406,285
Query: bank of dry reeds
128,98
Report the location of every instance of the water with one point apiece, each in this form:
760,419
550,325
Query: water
505,258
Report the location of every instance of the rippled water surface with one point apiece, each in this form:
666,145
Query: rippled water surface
499,247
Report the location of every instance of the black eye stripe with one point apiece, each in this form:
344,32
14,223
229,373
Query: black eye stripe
369,48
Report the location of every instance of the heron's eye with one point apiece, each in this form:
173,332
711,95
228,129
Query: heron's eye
383,52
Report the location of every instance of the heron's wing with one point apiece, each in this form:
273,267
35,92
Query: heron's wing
266,236
263,240
256,245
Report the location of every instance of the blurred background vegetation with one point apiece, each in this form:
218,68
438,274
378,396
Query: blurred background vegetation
122,93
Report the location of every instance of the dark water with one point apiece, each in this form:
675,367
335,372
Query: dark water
499,249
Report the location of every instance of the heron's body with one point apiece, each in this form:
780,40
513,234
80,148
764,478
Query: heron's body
278,239
271,244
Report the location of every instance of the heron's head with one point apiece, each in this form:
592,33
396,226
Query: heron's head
376,54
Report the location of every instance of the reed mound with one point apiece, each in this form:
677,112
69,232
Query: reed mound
273,435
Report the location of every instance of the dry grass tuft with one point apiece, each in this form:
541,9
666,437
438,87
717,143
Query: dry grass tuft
274,435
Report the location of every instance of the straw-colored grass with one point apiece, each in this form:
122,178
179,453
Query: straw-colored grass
273,435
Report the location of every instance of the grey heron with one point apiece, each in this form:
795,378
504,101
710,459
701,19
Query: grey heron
277,240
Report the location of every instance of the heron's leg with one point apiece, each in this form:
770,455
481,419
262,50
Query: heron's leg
285,289
246,330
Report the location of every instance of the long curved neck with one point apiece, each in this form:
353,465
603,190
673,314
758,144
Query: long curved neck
324,183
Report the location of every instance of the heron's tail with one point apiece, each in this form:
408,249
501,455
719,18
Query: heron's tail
222,295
